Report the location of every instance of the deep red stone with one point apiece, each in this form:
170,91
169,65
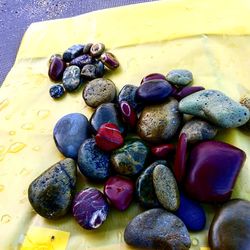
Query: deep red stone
213,169
153,76
162,151
128,114
187,91
119,192
56,69
180,158
109,137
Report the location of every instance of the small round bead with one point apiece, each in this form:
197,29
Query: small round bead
109,60
56,91
97,49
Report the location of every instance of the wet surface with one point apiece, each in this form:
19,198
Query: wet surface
17,15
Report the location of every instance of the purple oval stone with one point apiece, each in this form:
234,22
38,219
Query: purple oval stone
153,76
56,69
90,208
187,91
213,169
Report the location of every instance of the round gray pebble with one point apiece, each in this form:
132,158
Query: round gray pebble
71,78
180,77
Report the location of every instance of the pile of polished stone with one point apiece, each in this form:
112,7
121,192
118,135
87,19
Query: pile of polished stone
142,145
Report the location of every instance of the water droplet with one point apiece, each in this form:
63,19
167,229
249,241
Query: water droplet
12,132
195,242
1,188
27,126
4,104
5,219
42,114
16,147
2,149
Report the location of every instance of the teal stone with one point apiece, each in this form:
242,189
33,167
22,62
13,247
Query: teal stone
216,107
145,190
130,159
166,188
181,77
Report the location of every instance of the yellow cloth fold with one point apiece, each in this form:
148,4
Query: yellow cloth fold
210,38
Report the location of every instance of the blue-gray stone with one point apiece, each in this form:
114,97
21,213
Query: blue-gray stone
180,77
215,107
71,78
70,132
72,52
93,162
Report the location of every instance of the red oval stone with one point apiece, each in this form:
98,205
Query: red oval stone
128,114
180,158
162,151
153,76
119,191
56,69
109,137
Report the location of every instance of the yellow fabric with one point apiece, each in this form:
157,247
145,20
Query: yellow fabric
210,38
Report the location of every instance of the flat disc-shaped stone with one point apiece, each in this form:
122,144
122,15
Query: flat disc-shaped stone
51,193
157,229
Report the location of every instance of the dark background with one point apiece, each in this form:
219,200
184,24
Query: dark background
17,15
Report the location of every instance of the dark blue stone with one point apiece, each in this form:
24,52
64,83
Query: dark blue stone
70,132
56,91
99,69
127,94
93,162
191,213
154,91
106,112
73,52
82,60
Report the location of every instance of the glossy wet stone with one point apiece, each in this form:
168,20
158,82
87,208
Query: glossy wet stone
71,78
56,91
109,137
191,213
99,91
89,72
157,229
99,69
51,193
187,91
109,60
73,52
129,115
70,132
213,169
127,94
180,158
159,122
119,191
86,48
130,159
97,49
90,208
56,69
154,91
180,77
214,106
199,130
93,162
153,76
166,188
145,190
53,57
106,112
230,228
82,60
163,151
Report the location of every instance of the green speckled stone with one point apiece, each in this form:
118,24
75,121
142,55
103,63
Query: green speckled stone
145,190
214,106
130,159
52,192
181,77
166,188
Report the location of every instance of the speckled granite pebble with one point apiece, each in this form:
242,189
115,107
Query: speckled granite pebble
51,193
180,77
157,229
215,107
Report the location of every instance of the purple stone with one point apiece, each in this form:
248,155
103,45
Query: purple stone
213,169
82,60
56,69
90,208
153,76
187,91
109,60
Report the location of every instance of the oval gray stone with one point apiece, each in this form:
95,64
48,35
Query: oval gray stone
157,229
71,78
180,77
166,188
198,130
51,193
214,106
